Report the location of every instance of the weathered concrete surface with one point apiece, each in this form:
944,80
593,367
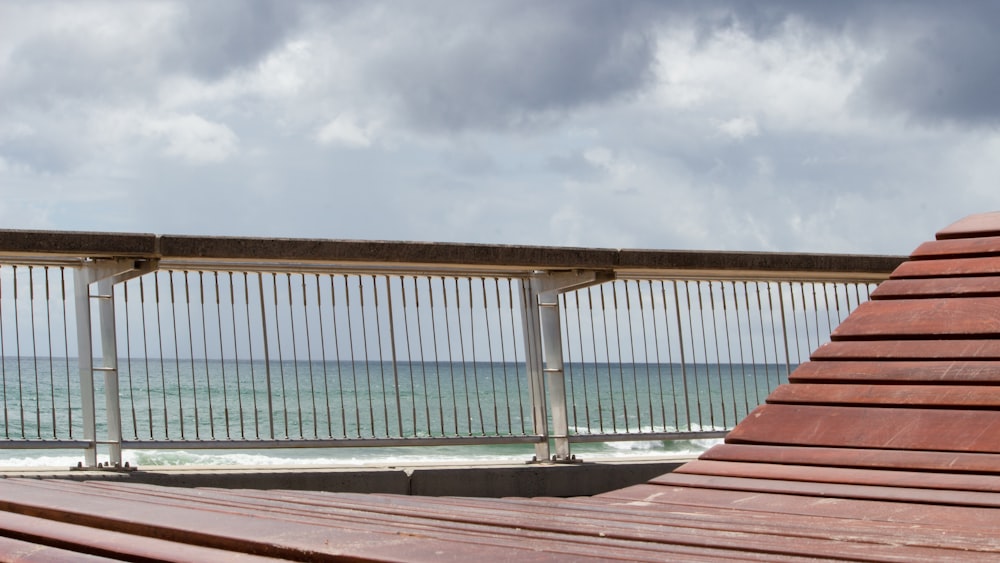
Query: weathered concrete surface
514,480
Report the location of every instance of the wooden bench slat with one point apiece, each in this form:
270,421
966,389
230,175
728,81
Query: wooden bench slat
835,490
947,267
978,225
853,457
871,427
927,288
843,475
887,395
971,317
928,372
957,248
909,350
961,518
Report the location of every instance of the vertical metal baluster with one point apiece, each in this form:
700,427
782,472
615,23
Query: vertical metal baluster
434,342
607,352
48,332
204,344
461,353
826,304
145,356
128,365
322,351
729,353
295,357
568,362
368,378
517,360
34,351
236,356
163,369
451,357
618,348
489,353
392,352
670,356
281,354
503,355
409,355
309,360
423,365
597,375
267,353
190,331
704,346
222,356
17,349
753,353
3,363
656,356
381,369
739,342
354,373
69,393
774,333
631,346
784,330
718,351
177,355
336,351
253,371
760,317
475,367
694,351
584,425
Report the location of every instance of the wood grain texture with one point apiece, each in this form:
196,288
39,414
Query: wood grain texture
978,225
926,288
886,395
969,372
971,317
871,427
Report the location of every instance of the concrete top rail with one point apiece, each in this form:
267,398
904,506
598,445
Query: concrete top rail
248,252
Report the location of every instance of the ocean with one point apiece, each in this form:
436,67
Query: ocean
190,406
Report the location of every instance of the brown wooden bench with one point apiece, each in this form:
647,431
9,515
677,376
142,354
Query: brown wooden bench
884,447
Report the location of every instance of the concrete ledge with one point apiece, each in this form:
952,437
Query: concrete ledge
523,480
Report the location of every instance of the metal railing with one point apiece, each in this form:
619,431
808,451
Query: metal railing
259,343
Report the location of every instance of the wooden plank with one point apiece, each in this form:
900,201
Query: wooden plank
844,476
958,248
886,395
972,317
313,534
909,350
82,543
924,288
871,427
928,371
767,540
951,267
833,490
861,458
978,225
963,519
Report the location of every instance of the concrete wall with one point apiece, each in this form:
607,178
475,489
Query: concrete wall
525,480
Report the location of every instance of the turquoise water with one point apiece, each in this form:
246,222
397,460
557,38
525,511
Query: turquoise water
214,401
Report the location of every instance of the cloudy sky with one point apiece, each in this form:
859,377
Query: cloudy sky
787,126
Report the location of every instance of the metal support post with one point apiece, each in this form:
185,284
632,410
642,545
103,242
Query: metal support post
533,361
543,335
105,273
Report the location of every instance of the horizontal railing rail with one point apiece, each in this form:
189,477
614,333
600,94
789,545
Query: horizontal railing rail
119,341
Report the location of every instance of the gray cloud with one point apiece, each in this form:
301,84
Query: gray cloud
213,38
512,64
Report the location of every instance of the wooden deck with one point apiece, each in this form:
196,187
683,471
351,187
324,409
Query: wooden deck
884,447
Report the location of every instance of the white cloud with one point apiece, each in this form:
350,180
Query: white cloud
739,128
192,138
345,131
